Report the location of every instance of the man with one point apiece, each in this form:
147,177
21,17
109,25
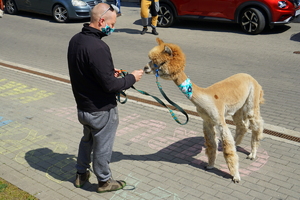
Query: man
153,5
95,84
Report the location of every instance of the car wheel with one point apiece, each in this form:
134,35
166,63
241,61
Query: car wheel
165,16
60,14
11,7
252,21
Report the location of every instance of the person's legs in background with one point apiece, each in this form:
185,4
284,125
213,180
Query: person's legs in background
154,8
118,4
145,4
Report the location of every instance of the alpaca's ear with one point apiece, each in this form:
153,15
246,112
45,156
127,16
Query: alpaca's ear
168,50
159,41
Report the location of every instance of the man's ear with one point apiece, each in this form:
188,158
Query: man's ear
100,22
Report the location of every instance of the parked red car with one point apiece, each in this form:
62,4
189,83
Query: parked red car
252,15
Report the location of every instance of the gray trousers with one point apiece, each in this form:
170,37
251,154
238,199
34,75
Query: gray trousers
99,130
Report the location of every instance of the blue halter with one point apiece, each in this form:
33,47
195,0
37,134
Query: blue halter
157,70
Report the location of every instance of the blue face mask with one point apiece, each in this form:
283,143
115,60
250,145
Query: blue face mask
107,30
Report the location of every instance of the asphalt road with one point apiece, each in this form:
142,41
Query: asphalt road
214,51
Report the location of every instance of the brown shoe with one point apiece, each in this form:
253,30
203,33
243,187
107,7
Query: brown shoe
110,185
81,179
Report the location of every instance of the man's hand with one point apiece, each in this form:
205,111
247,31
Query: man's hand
138,74
117,72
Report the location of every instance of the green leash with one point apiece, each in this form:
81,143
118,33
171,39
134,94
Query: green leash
124,73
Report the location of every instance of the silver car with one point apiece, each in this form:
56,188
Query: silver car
61,10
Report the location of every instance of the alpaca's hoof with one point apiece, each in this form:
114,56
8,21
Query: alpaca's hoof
251,156
208,167
236,179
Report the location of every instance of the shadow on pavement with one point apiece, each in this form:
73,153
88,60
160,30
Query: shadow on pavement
296,37
215,26
60,167
184,151
48,18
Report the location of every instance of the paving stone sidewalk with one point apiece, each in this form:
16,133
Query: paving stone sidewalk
159,159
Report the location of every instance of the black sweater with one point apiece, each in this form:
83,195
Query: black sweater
91,72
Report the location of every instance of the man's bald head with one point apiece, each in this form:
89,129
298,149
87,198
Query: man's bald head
102,10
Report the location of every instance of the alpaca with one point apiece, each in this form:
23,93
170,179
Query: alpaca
238,96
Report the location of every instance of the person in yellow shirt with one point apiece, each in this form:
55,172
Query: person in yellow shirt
153,6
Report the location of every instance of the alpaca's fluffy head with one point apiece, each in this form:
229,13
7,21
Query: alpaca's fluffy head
167,60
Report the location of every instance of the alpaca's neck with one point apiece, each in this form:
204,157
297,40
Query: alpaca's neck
180,78
184,84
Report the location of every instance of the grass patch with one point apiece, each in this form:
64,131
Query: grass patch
10,192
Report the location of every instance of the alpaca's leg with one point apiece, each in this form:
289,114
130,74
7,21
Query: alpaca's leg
229,152
256,121
242,124
210,143
256,125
